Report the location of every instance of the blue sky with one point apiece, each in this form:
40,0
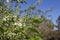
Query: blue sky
46,4
55,4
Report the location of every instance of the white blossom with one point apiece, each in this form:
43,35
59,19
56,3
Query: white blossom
7,0
15,23
10,34
4,19
15,16
20,19
20,24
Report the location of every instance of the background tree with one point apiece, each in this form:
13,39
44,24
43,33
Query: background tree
58,22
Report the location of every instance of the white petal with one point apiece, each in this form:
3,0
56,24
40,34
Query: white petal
7,0
4,19
19,24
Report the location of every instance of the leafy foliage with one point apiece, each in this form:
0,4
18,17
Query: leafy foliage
18,27
58,22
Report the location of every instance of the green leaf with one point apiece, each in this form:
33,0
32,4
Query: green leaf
1,30
36,21
33,30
